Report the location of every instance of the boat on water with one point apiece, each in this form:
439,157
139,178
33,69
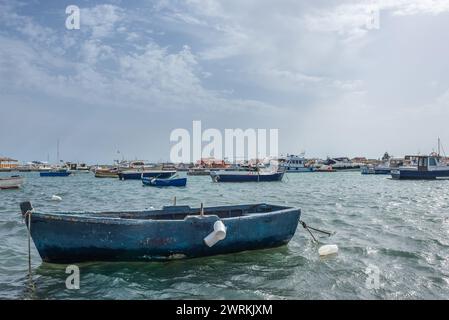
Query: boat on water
342,164
174,232
106,172
170,182
138,174
427,168
246,176
12,182
77,167
379,169
55,173
294,163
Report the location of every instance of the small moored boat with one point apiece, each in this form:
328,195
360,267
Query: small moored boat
13,182
170,233
138,174
246,176
55,173
106,173
171,182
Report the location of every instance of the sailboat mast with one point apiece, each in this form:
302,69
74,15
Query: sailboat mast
439,146
57,151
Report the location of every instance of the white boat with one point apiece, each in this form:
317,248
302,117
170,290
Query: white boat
294,163
342,163
12,182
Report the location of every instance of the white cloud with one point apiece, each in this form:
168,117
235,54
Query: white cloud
101,20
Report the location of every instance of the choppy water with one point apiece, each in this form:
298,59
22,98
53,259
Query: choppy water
399,227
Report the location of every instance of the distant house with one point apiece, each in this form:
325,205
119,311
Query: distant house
8,163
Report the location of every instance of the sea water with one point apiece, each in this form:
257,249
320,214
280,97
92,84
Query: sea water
393,240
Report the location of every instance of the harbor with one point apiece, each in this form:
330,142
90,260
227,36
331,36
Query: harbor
377,222
252,153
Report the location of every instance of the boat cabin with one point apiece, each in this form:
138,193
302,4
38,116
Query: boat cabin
426,162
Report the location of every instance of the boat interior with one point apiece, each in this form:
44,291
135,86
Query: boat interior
181,212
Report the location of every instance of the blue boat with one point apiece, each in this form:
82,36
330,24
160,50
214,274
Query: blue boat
55,173
171,182
139,174
174,232
427,168
246,176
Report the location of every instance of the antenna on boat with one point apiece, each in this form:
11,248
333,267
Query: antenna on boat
202,210
174,200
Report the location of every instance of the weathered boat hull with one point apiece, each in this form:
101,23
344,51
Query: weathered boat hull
55,174
181,182
64,238
247,177
147,174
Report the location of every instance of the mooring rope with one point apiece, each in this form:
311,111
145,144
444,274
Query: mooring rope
305,226
30,274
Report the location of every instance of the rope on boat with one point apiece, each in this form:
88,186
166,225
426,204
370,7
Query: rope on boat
305,226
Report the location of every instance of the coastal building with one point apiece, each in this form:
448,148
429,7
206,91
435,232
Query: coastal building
7,164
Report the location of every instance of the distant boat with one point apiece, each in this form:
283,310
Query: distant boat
427,168
342,164
294,163
106,173
175,232
379,169
246,176
55,173
171,182
13,182
138,174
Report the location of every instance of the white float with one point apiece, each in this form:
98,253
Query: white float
56,198
218,234
328,249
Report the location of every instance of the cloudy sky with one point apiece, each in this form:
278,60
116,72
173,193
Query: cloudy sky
335,77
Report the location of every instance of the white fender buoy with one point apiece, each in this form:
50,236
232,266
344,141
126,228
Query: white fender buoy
328,249
56,198
218,234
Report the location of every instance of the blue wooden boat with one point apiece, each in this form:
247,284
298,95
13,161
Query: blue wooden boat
246,176
174,232
171,182
55,173
427,168
138,174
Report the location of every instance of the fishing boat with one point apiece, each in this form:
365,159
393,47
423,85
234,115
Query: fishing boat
138,174
427,168
174,232
13,182
55,173
170,182
294,163
246,176
106,173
